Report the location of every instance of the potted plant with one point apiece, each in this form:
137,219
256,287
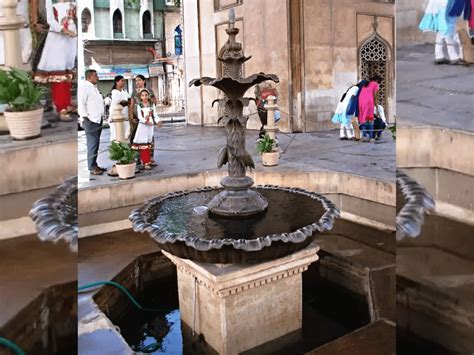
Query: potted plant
124,157
22,96
267,148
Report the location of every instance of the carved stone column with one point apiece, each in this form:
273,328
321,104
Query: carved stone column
117,119
271,127
10,24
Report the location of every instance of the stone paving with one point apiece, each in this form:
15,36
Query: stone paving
433,95
182,149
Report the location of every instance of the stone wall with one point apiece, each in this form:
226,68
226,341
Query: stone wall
102,23
311,45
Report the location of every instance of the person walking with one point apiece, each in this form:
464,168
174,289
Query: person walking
367,102
438,18
91,109
147,118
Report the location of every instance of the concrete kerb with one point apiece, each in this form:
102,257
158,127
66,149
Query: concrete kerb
431,146
440,159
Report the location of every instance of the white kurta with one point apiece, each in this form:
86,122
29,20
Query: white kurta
59,53
117,97
144,134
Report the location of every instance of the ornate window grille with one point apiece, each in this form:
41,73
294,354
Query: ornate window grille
374,59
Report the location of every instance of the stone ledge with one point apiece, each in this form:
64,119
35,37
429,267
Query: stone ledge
136,192
37,166
231,279
440,148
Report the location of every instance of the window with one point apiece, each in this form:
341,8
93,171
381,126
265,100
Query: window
117,24
86,20
146,25
374,60
178,40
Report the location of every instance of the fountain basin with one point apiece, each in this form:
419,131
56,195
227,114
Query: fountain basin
414,202
293,218
56,215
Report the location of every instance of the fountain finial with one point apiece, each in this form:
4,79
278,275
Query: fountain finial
231,18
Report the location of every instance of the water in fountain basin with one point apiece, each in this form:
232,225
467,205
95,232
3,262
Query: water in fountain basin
286,213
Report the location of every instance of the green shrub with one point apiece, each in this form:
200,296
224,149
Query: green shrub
265,145
18,90
122,153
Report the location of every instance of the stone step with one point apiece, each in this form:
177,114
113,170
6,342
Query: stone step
445,234
362,265
28,267
377,338
435,290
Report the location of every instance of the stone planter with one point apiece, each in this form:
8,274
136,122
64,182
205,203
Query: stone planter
126,171
270,158
24,125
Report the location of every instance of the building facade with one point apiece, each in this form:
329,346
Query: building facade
132,37
318,48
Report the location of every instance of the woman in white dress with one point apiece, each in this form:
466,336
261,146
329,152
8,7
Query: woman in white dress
119,96
58,55
147,118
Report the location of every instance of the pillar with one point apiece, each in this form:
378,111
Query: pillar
10,24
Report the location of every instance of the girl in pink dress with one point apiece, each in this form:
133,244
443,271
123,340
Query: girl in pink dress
367,102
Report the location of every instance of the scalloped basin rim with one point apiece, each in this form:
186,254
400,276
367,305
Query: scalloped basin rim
300,235
52,225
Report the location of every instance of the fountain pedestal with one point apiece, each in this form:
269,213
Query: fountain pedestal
238,307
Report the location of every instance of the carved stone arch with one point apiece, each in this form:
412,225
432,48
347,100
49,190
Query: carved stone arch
376,57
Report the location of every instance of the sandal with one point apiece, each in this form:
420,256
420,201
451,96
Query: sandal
64,116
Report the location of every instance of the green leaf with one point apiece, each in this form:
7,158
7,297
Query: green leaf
265,145
121,153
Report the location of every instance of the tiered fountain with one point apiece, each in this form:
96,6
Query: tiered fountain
240,251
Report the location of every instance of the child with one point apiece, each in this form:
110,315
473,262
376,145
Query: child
379,122
147,118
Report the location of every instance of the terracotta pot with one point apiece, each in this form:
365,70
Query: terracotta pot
126,171
270,158
24,125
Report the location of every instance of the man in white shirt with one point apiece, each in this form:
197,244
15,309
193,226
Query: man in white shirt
91,109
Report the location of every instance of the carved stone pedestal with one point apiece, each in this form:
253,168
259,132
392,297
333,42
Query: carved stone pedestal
238,307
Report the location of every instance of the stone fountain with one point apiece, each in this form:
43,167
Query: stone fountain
55,216
240,250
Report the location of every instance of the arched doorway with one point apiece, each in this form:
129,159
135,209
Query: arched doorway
117,24
86,19
375,59
146,25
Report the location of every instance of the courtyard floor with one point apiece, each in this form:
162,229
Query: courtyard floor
182,149
433,95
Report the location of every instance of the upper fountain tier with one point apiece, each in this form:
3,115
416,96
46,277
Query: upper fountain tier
236,200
